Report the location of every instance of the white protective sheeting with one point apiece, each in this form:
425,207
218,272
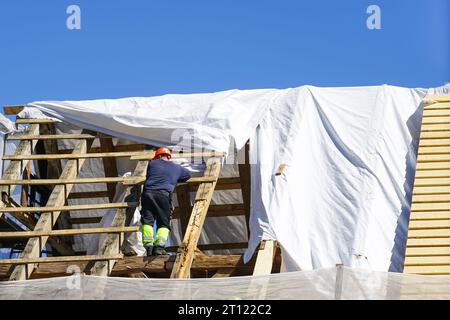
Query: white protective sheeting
329,284
349,154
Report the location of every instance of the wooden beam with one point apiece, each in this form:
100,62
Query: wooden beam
12,110
57,137
215,246
58,259
35,121
150,154
265,257
124,154
48,219
436,98
109,165
68,232
41,182
113,242
203,197
245,180
77,207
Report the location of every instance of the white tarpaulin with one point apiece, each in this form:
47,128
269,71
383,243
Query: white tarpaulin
349,153
329,284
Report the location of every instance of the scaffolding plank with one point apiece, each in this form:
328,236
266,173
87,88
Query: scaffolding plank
35,121
427,251
35,182
428,242
429,233
429,224
67,232
59,259
56,136
123,154
77,207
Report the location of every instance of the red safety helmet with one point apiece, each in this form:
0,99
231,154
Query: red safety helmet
162,152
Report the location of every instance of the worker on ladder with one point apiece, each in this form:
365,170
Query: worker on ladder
156,200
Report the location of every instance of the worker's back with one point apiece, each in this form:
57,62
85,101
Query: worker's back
164,175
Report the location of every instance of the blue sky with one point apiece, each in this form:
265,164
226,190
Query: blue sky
149,47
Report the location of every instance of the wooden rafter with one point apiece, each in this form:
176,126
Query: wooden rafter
185,255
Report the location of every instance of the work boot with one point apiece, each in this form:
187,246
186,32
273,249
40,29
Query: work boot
159,250
149,249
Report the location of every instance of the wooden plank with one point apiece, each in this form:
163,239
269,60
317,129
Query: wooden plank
430,206
428,242
245,181
113,242
39,182
264,259
186,252
427,251
439,127
12,110
435,120
67,232
436,98
423,174
428,270
434,134
433,158
56,136
150,154
437,112
434,143
430,215
429,224
428,261
58,259
429,233
196,180
78,207
431,190
137,147
433,165
434,182
109,165
214,246
431,198
434,150
35,121
48,219
124,154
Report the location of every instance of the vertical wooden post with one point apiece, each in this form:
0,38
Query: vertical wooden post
245,179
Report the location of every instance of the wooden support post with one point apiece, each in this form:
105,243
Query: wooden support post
186,252
45,223
110,165
184,204
245,179
122,218
265,257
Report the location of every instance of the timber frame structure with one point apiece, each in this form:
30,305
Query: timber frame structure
39,143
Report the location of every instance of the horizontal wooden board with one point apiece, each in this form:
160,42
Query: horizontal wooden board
430,215
434,150
427,270
71,181
124,154
429,233
431,198
35,121
434,127
434,143
12,110
56,137
429,224
79,207
431,190
432,174
436,112
435,120
67,232
428,261
433,158
60,259
434,135
432,166
428,242
430,206
427,251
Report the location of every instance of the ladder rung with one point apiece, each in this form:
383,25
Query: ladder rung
79,207
68,232
60,259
